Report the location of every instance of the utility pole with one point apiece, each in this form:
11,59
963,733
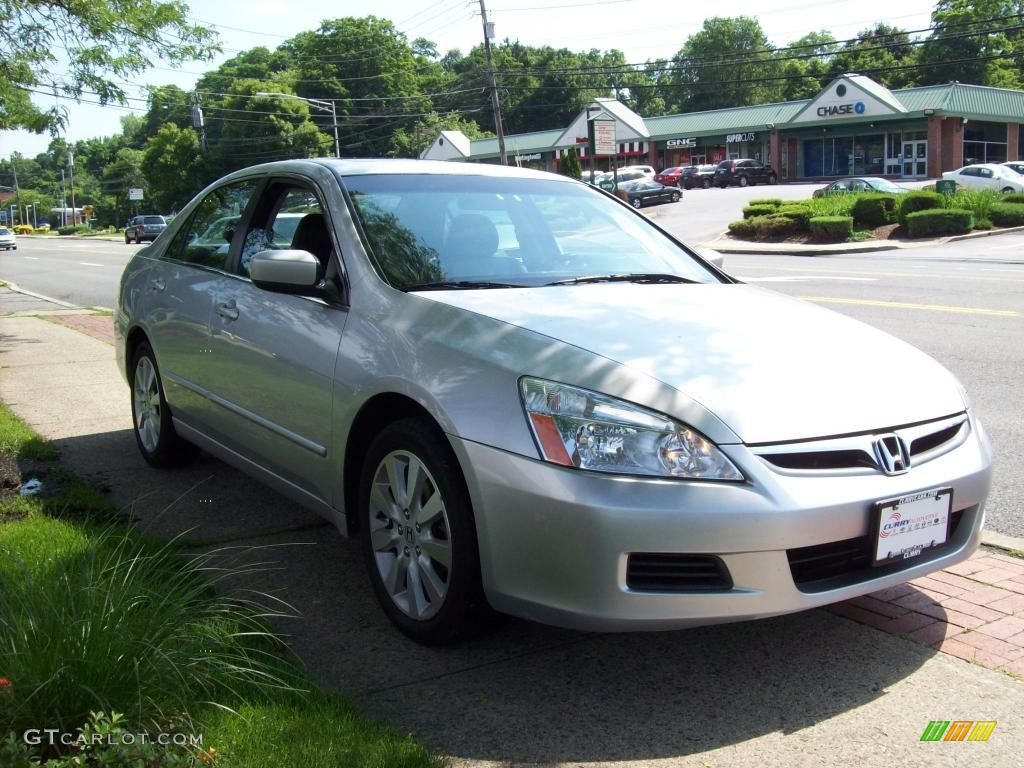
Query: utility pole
63,200
71,170
17,192
197,120
495,103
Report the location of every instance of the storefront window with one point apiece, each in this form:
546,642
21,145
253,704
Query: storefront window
984,142
844,156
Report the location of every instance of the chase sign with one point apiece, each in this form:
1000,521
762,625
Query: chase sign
841,110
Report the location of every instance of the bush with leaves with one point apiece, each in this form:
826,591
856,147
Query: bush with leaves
938,222
831,229
570,164
919,201
753,211
798,213
773,202
776,227
745,229
874,210
1013,197
1007,214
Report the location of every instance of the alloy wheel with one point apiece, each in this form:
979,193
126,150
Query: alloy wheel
410,535
146,393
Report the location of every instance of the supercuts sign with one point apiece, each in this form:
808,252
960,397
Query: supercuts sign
841,110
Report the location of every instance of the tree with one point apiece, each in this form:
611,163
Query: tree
123,174
570,165
880,52
94,42
806,65
173,165
967,45
410,142
729,63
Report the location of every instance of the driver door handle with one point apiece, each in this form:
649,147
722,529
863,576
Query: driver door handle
228,310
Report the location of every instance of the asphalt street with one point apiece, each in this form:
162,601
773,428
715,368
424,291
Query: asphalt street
963,303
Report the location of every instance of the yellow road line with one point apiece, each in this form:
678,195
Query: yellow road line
906,305
806,271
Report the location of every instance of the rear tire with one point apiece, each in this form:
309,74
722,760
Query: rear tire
154,431
675,197
706,183
744,181
636,203
773,179
420,544
1008,190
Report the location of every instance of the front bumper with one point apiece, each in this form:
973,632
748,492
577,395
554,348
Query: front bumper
554,542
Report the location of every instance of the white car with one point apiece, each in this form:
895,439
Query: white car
7,240
987,176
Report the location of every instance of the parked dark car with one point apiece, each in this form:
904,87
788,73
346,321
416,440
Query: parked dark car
643,192
698,176
144,228
861,184
743,172
670,177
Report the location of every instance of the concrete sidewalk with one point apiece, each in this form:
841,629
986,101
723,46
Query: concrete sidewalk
809,689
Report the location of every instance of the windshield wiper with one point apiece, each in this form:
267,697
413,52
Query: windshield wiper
454,285
632,277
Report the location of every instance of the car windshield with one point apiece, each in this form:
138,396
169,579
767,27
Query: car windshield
4,231
425,229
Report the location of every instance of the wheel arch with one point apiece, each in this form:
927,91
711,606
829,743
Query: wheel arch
132,340
376,413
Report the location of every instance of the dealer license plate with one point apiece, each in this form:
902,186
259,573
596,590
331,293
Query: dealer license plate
911,525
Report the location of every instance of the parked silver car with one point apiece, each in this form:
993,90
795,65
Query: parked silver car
523,394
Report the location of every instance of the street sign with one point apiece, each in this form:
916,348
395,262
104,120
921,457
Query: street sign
135,194
945,186
604,137
608,185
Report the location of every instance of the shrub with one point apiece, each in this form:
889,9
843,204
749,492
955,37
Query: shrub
942,221
73,229
1007,214
752,211
919,201
982,224
42,230
798,213
978,201
873,210
774,227
831,229
1010,197
774,202
23,229
745,228
95,619
830,205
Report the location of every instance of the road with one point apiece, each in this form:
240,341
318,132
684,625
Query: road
962,303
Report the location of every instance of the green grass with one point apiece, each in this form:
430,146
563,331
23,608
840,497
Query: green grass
19,442
99,616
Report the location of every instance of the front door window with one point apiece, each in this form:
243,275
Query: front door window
915,159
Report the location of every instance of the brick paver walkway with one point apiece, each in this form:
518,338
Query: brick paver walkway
98,326
974,610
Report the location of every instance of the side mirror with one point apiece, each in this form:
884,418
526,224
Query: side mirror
295,272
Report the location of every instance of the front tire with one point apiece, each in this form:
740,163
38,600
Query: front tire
706,183
418,534
675,197
154,431
1007,190
636,203
744,181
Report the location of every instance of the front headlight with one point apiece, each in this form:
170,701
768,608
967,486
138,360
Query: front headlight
579,428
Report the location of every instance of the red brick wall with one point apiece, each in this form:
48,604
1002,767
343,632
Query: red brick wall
935,147
775,150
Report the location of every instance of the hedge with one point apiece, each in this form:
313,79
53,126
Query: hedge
72,230
831,229
774,202
874,210
1009,197
744,228
1007,214
919,201
798,213
777,226
752,211
942,221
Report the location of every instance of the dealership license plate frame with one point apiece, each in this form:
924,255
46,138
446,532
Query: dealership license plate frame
912,504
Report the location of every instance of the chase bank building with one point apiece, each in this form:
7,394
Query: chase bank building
853,127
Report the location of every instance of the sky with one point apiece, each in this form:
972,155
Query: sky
642,29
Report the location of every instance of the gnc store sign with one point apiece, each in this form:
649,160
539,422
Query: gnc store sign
848,99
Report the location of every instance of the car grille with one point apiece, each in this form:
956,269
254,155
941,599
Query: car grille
855,454
661,572
837,563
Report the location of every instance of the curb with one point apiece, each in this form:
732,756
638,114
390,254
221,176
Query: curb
1002,541
984,233
17,289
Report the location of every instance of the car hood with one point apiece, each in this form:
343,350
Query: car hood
771,367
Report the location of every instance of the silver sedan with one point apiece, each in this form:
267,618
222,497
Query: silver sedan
524,396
